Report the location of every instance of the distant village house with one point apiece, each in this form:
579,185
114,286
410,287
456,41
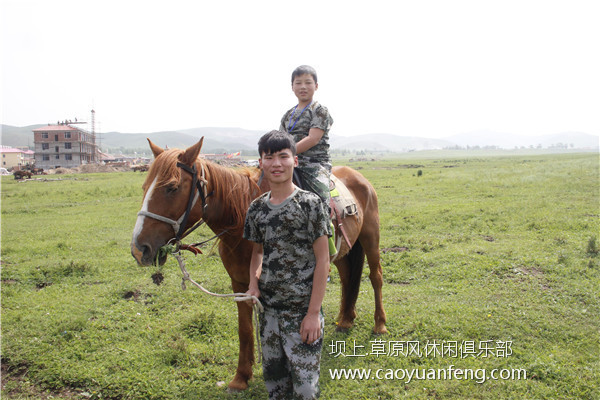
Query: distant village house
225,156
14,158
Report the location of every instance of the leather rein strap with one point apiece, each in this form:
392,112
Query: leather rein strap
201,186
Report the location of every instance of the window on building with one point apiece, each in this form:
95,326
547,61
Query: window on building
56,148
45,146
46,157
57,156
68,157
56,138
67,135
68,145
44,135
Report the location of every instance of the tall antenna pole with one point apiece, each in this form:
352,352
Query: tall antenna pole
97,150
93,123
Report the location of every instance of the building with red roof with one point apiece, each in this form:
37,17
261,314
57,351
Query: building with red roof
63,145
15,158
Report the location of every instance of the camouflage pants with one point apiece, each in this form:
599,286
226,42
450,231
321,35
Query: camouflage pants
315,178
290,367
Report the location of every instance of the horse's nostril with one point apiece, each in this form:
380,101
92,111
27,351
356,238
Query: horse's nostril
142,253
147,252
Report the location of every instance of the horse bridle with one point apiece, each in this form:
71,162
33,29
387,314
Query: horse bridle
198,189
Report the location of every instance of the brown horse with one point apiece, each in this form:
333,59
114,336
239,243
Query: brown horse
220,197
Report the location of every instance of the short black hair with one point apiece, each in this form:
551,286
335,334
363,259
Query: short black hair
275,141
304,69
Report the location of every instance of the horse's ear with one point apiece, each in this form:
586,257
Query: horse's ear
155,149
191,153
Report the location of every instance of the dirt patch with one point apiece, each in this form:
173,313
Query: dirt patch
61,171
410,166
398,283
15,384
394,249
137,296
89,169
158,278
41,285
533,271
132,294
523,273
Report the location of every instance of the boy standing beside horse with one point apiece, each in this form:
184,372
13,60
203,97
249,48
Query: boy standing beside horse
288,271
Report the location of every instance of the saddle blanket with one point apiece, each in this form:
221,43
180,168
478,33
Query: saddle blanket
341,198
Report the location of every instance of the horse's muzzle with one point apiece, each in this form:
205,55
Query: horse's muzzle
145,255
137,254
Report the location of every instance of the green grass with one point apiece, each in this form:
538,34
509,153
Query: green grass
498,249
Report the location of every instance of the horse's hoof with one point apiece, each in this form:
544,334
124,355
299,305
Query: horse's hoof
237,385
233,391
380,331
343,326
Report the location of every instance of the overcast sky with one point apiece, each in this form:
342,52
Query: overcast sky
412,68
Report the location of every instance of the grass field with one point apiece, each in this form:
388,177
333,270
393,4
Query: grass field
490,266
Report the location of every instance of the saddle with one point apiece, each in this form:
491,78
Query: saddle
342,205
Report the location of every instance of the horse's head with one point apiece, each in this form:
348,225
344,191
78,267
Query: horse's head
169,189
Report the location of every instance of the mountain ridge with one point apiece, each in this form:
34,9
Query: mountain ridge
233,139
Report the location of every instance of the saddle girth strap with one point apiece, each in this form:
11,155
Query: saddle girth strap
336,214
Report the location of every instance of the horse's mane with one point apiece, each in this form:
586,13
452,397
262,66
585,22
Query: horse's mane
233,189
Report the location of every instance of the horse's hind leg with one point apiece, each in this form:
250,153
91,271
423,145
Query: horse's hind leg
347,313
370,243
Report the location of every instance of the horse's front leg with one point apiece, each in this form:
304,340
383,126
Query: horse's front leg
245,332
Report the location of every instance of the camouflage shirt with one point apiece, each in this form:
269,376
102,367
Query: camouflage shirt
315,116
287,232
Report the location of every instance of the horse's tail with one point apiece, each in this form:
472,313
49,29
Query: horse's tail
356,261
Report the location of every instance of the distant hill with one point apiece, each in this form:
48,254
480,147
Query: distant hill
482,138
386,142
579,140
220,140
239,136
18,136
216,140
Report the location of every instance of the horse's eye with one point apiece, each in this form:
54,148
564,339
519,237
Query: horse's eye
171,189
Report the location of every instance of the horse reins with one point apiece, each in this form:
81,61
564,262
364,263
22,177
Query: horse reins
199,189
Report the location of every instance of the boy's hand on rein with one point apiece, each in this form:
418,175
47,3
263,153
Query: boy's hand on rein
253,291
